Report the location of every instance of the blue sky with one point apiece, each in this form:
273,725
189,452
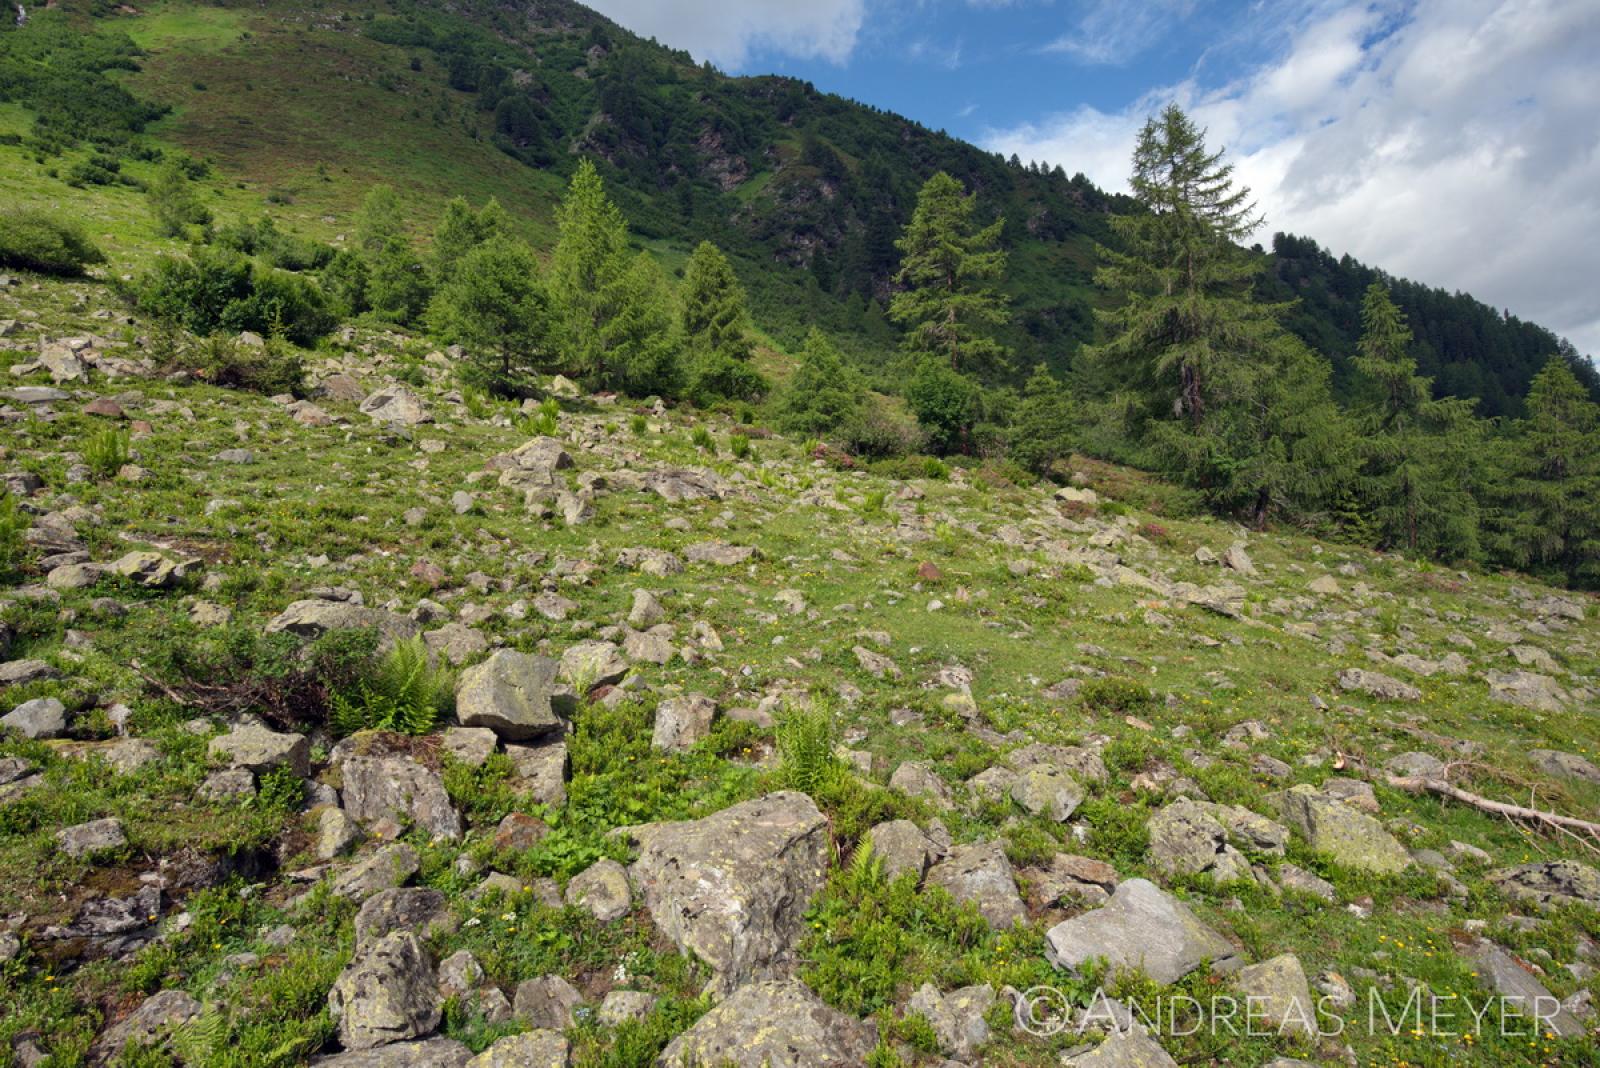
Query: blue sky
1451,141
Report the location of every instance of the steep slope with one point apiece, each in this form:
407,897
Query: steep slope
1058,695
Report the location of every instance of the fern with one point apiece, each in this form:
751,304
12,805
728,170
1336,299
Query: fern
404,692
106,452
806,739
202,1040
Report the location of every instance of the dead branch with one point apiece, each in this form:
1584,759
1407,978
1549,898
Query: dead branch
1569,825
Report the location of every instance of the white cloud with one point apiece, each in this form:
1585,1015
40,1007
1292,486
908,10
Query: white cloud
725,33
1114,31
1453,142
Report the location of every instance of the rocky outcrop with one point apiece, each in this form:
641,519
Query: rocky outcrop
772,1025
386,994
1350,837
1142,928
401,790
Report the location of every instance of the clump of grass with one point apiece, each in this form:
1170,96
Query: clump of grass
1122,697
542,423
701,439
639,425
739,446
403,692
107,451
13,521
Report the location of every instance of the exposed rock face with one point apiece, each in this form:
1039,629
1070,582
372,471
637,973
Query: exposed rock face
428,1053
399,789
86,839
1564,765
315,617
539,1048
386,994
901,847
547,1002
42,717
733,888
915,779
980,873
1125,1049
417,909
151,1023
1352,838
389,866
1186,839
1045,789
1142,927
511,693
1279,990
1551,882
772,1025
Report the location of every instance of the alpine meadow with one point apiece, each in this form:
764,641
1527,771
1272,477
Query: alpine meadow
521,548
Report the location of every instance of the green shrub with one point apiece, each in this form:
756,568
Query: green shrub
218,289
544,422
402,692
224,361
1118,696
106,452
13,522
701,439
739,445
33,241
638,425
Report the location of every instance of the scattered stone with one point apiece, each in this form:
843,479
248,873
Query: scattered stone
1278,990
1142,927
398,789
1125,1049
1525,995
386,994
901,847
471,746
796,1030
876,664
980,873
150,570
1350,837
428,1053
336,832
733,888
539,1048
1527,689
511,693
314,617
589,664
541,771
718,552
915,779
546,1002
1564,765
1186,838
390,866
1550,883
519,831
257,749
86,839
620,1006
417,909
396,406
957,1017
602,888
1376,684
682,722
151,1024
1044,789
40,718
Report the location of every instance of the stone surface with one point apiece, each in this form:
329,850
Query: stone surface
1506,976
257,749
1528,689
1186,838
399,789
86,839
1142,927
397,406
1276,992
151,1023
778,1024
916,779
1550,882
1047,790
390,866
511,693
980,873
314,617
957,1017
42,717
901,847
420,910
547,1002
386,994
428,1053
1377,684
1350,837
539,1048
733,888
1125,1049
1564,765
682,722
602,888
540,771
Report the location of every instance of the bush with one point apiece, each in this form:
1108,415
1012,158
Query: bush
1121,697
269,369
106,452
33,241
876,434
401,692
13,521
218,289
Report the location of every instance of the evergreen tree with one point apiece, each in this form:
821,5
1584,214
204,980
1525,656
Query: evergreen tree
380,219
460,230
397,286
1415,480
949,306
1213,388
1552,519
1042,432
613,313
945,402
493,305
825,395
715,325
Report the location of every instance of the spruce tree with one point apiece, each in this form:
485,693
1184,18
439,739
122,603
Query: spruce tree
949,265
613,313
1416,474
1553,515
494,306
825,395
1042,432
175,203
1209,384
380,219
715,326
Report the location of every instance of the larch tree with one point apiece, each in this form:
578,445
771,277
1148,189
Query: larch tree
495,307
949,304
1553,514
716,327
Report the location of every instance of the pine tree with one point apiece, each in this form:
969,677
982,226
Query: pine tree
715,325
1210,385
949,265
825,394
613,313
494,306
1042,432
1553,515
1416,476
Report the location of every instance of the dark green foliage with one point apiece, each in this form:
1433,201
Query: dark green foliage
950,306
277,247
460,230
1116,696
215,289
269,369
13,522
493,304
344,280
1042,431
826,394
106,451
716,330
945,402
806,741
34,241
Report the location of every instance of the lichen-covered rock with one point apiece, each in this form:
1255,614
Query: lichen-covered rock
1125,1049
916,779
511,693
257,749
428,1053
958,1018
1377,684
1278,991
386,994
593,663
540,771
602,888
389,866
399,789
1528,689
151,1024
901,847
1187,839
151,570
772,1025
1350,837
1047,790
980,873
682,722
539,1048
1550,883
314,617
733,888
40,718
1144,928
547,1002
413,908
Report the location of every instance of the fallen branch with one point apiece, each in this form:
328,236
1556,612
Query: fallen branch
1571,825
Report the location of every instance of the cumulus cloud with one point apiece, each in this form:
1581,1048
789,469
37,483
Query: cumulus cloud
1451,141
725,33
